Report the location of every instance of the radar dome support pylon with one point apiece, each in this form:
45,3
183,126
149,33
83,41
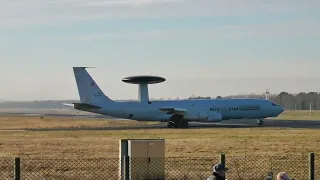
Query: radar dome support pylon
143,95
143,81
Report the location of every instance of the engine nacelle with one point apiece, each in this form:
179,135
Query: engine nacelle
197,116
214,116
203,116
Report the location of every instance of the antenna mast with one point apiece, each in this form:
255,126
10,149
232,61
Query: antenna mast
267,94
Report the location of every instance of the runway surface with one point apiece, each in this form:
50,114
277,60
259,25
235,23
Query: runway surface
245,123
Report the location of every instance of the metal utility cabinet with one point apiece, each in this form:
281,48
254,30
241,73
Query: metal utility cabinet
146,159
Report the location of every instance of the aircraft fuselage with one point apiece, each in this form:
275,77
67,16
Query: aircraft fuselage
176,112
228,108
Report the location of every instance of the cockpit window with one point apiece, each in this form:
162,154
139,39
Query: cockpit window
274,104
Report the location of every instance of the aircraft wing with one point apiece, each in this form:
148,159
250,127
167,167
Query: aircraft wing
171,110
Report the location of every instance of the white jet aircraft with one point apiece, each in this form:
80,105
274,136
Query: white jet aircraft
177,113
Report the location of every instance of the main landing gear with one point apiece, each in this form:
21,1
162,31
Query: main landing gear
260,122
177,121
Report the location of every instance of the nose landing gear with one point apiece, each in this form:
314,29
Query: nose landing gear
260,122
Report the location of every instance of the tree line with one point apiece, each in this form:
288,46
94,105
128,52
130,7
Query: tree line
300,101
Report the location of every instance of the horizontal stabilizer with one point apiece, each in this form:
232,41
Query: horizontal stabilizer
66,104
180,111
82,106
84,67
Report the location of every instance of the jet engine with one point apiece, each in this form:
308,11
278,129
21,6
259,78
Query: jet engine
203,116
197,116
214,116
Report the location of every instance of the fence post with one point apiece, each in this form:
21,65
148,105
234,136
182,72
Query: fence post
17,169
311,166
126,167
223,159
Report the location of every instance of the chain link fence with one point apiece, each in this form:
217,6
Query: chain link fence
317,166
71,169
258,167
169,168
6,168
174,168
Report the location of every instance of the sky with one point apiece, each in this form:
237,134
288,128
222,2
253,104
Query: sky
201,47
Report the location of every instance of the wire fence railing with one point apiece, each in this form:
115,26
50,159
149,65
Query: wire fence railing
6,168
258,167
317,166
299,167
99,168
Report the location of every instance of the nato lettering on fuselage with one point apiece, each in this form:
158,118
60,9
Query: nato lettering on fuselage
218,109
244,108
214,109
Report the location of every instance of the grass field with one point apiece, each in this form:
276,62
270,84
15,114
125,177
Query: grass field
207,142
196,142
191,142
300,115
15,122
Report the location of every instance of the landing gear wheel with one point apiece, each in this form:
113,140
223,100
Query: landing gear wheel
184,124
170,124
260,122
177,121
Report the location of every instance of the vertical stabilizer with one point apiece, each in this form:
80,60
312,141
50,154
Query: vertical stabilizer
89,91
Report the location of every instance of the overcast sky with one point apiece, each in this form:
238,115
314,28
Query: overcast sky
202,47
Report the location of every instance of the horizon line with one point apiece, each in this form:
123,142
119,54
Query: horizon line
164,98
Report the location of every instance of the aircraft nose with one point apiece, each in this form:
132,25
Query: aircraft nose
281,109
277,111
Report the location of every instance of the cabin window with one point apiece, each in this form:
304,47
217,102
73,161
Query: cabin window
248,108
